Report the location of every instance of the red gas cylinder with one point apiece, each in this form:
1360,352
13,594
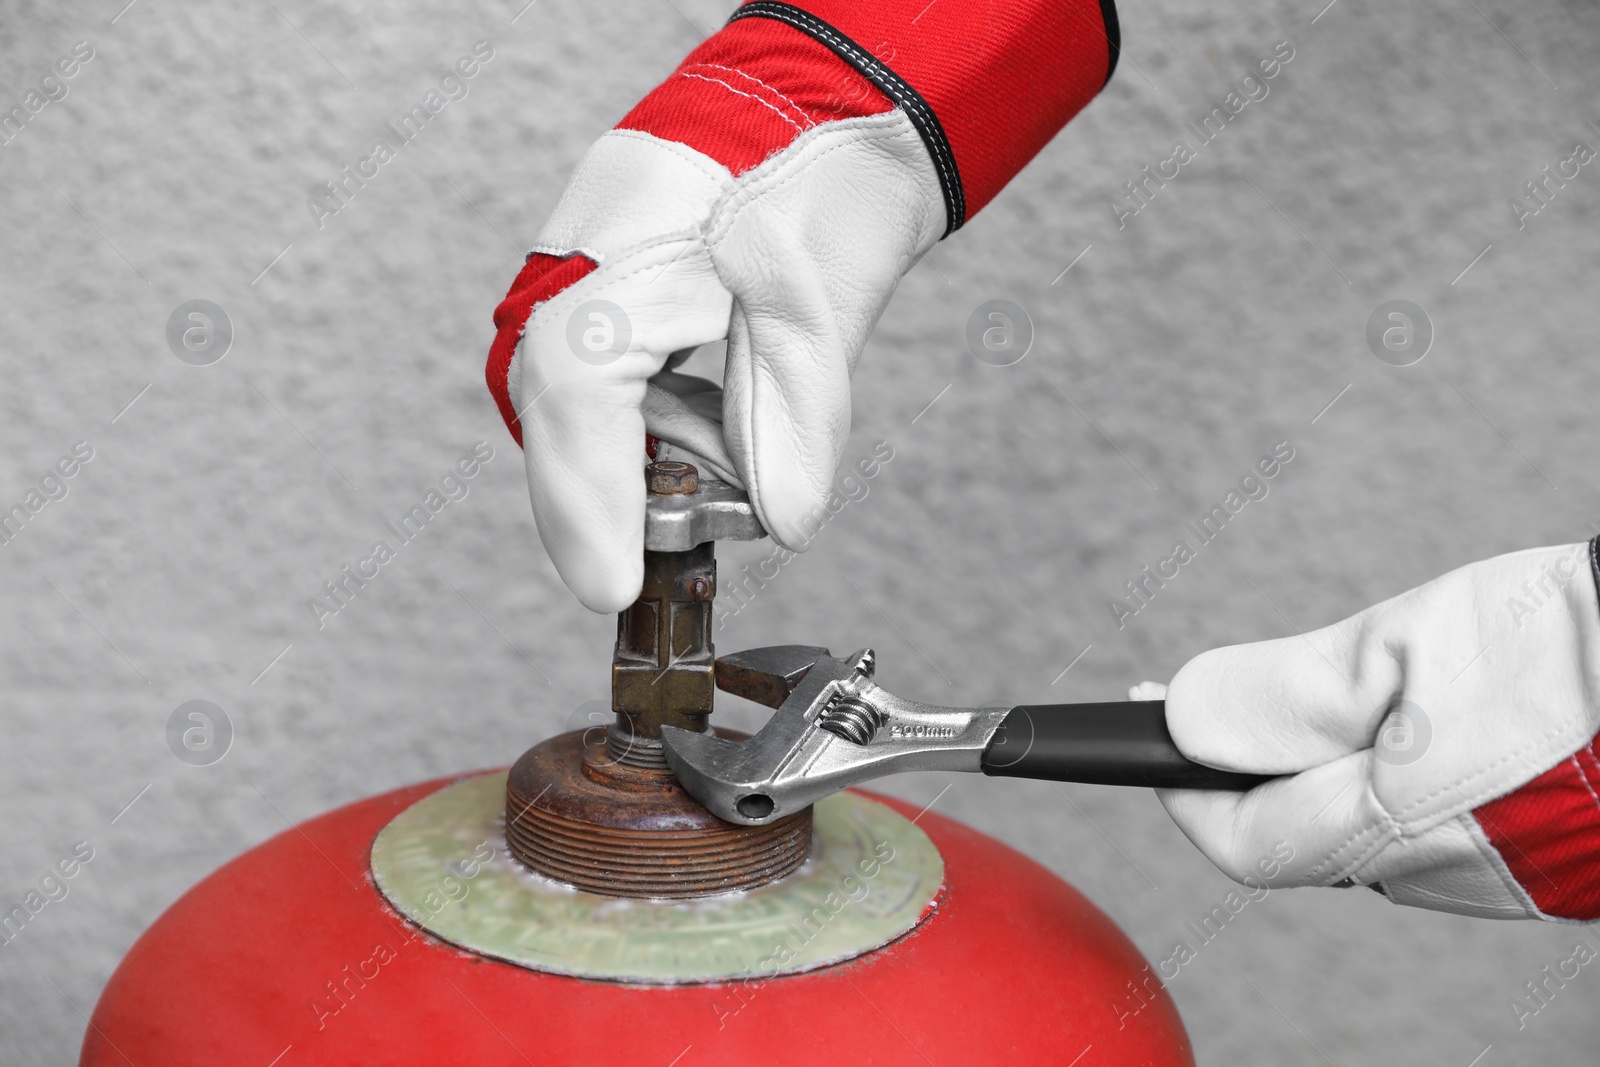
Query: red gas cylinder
583,908
292,955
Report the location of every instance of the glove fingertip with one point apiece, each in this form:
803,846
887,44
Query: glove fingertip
606,588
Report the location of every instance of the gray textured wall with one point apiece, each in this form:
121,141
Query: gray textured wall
1221,319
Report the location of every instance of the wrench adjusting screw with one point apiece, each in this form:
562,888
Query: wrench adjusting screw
851,718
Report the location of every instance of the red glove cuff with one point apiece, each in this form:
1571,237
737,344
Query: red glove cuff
1548,833
987,84
749,90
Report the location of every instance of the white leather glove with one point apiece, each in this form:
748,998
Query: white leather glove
792,262
772,192
1439,746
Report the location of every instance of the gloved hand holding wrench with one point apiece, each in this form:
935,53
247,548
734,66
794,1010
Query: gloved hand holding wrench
836,727
1439,747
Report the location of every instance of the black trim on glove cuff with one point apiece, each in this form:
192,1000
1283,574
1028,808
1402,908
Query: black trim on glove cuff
895,88
1108,15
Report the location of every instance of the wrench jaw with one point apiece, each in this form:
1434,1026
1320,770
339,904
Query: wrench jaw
721,775
745,782
737,782
767,675
836,729
713,770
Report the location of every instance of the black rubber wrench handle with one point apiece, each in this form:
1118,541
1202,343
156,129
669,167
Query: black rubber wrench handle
1123,742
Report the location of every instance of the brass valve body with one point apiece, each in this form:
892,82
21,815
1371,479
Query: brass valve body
601,810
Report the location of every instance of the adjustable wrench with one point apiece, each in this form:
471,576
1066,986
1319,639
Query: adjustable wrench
835,727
